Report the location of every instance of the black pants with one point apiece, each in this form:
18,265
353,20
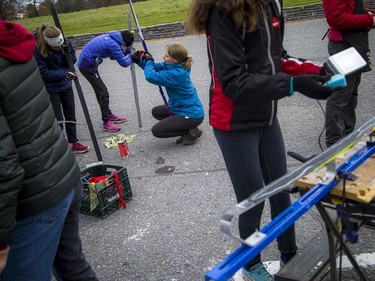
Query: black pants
101,92
172,125
341,105
64,107
70,263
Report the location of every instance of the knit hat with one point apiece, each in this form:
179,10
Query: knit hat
127,37
16,43
52,35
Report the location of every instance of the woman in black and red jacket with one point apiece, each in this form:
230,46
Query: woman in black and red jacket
246,64
349,23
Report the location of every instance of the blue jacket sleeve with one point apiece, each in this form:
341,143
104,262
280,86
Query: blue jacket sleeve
162,77
119,56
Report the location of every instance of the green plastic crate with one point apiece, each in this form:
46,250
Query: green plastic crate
108,197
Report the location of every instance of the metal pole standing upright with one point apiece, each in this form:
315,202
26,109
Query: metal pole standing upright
145,48
78,86
134,82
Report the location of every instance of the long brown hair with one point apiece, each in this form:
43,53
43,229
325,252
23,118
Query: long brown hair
243,12
179,53
48,31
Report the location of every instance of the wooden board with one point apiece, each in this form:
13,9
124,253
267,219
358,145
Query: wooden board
361,190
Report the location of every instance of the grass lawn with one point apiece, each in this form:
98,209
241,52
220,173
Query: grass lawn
150,12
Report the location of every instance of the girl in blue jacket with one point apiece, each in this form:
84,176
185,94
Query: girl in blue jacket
186,110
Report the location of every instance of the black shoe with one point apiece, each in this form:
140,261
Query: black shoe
181,139
188,140
195,133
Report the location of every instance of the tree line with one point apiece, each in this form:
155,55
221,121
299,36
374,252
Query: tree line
11,9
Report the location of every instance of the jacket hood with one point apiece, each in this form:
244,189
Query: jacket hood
16,43
115,35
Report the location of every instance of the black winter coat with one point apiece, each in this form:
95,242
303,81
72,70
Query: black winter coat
37,167
246,71
54,67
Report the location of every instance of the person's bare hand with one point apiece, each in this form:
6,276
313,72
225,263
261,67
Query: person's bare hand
3,258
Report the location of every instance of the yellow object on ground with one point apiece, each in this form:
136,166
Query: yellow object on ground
113,141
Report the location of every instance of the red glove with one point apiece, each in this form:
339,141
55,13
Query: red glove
136,57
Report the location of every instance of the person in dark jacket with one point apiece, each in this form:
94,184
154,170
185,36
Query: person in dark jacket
186,111
116,46
58,78
39,175
244,39
349,23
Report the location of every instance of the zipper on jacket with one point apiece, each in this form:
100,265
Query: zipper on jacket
212,60
271,62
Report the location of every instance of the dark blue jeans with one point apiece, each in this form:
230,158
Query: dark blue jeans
35,243
341,105
255,158
70,263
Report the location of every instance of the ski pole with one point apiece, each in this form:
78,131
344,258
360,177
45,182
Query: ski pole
145,48
134,82
78,86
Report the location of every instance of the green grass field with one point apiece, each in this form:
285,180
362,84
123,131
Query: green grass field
150,12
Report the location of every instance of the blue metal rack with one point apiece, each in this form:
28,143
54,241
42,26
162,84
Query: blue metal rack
240,257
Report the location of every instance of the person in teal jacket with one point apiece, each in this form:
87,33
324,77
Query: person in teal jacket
186,111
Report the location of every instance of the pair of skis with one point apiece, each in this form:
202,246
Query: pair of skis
258,241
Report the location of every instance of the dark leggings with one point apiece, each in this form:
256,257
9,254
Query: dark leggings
64,107
101,92
172,125
255,158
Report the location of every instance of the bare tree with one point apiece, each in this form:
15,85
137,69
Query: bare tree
44,8
9,9
31,9
78,5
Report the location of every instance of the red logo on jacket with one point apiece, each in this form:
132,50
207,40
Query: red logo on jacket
275,22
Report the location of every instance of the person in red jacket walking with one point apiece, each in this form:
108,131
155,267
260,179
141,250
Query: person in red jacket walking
349,23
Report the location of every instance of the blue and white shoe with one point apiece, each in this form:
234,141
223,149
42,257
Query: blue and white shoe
257,273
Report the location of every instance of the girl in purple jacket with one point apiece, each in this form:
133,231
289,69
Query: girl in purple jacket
116,46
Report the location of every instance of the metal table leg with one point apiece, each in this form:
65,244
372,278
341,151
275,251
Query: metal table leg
333,236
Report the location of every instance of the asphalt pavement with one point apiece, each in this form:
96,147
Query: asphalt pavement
170,229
